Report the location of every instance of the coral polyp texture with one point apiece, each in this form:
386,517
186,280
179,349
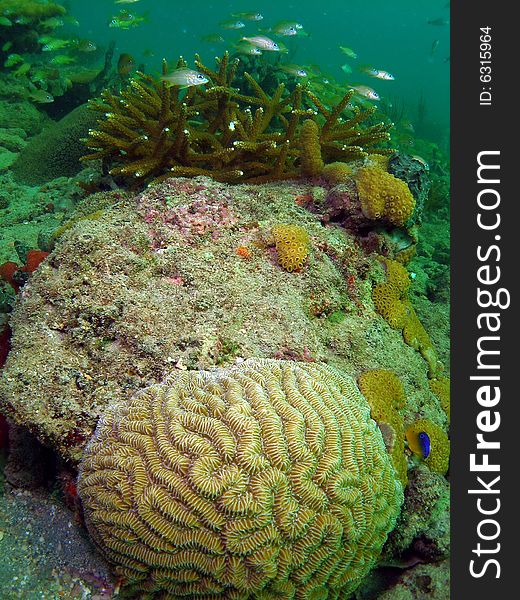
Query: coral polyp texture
383,196
264,480
440,386
155,130
391,302
292,245
385,396
438,459
389,297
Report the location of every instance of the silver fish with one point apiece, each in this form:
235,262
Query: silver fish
263,42
185,78
366,92
378,74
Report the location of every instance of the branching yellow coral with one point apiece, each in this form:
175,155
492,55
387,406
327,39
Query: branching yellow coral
292,245
439,457
153,130
385,395
383,196
310,149
265,480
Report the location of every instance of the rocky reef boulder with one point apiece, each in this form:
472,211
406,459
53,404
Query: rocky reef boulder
186,275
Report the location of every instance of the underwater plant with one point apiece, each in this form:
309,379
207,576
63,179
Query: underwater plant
154,130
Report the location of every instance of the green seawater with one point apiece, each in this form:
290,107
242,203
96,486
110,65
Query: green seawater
393,36
410,39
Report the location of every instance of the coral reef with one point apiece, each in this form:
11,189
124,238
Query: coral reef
15,275
440,386
154,130
338,172
310,149
438,459
414,172
389,297
385,395
21,116
392,303
265,479
421,582
416,336
138,285
32,10
5,347
292,245
423,527
383,196
56,151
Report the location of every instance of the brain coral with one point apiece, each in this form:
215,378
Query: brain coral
384,196
264,480
292,245
56,151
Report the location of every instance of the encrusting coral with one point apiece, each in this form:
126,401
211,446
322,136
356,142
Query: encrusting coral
389,297
440,386
438,459
385,395
265,480
292,245
154,130
391,302
383,196
57,150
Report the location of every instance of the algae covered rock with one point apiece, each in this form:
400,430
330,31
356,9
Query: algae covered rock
138,285
264,480
56,151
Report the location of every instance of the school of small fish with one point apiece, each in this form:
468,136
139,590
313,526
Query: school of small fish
270,38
